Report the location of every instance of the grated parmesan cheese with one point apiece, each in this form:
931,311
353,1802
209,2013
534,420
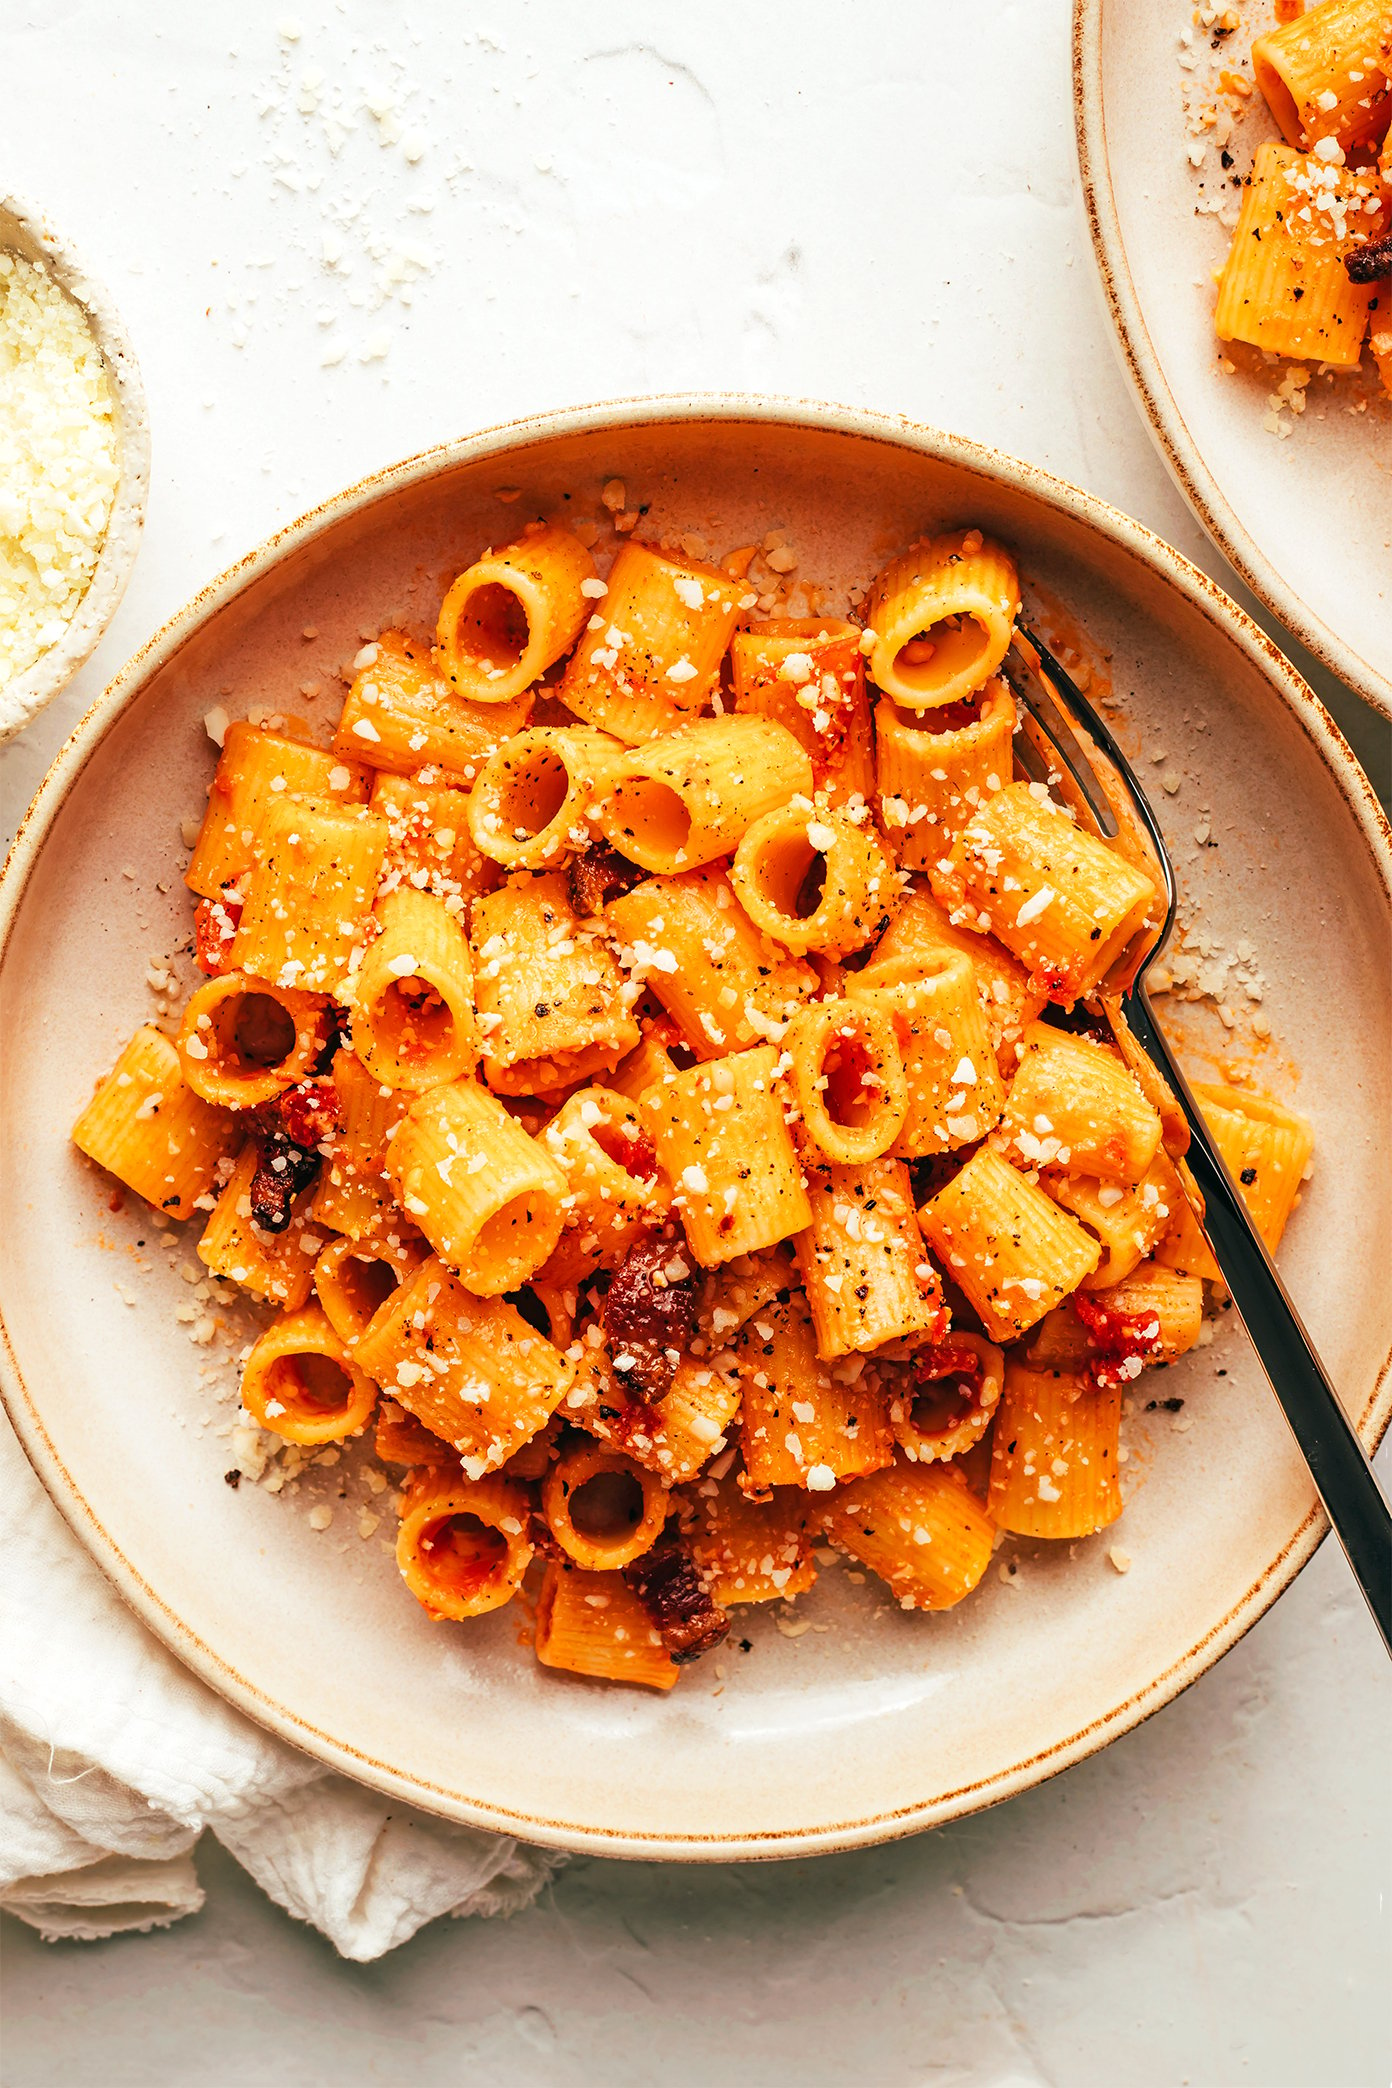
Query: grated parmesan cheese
58,461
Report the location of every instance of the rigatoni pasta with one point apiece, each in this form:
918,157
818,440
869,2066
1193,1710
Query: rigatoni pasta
1306,275
941,614
933,769
650,654
403,716
513,613
146,1126
814,878
684,799
1060,900
413,996
808,673
1285,287
647,1114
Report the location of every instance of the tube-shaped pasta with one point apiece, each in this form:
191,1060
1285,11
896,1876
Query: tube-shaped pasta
1063,902
430,846
1325,74
401,714
863,1261
552,1005
473,1370
413,1005
723,1143
642,1069
463,1546
733,1294
1284,286
1126,1222
1153,1315
749,1551
1267,1149
804,1422
602,1508
355,1278
808,673
684,799
676,1437
241,1040
1054,1464
146,1126
847,1079
278,1267
308,898
814,879
400,1439
614,1190
1074,1105
487,1197
256,770
943,1396
300,1382
955,1092
918,1527
1184,1246
651,654
931,774
1002,1241
942,614
593,1624
724,984
1009,997
536,796
512,614
353,1193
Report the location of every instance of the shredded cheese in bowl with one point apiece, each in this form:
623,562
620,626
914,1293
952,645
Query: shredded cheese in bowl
59,461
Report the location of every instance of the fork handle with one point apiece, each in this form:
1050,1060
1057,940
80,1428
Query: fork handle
1344,1479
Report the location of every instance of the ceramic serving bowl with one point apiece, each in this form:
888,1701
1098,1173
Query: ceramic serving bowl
26,231
867,1723
1306,520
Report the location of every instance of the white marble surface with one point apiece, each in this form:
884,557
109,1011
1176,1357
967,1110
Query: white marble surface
553,204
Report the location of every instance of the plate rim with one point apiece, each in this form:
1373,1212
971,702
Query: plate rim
1159,407
1095,515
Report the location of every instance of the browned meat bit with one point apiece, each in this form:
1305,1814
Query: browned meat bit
1367,263
671,1590
287,1133
598,874
649,1316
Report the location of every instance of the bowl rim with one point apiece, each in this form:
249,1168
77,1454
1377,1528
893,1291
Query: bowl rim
614,416
1162,413
28,693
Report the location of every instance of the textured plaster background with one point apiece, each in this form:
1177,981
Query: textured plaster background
339,233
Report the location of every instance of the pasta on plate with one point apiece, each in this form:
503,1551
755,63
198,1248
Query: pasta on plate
1309,272
655,1070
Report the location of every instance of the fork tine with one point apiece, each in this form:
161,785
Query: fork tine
1092,757
1060,740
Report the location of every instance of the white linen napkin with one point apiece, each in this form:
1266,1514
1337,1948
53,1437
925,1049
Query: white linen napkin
114,1758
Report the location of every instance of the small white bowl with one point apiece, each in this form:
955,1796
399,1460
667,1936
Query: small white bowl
26,231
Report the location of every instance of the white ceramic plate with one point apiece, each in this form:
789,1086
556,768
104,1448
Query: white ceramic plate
1307,521
872,1723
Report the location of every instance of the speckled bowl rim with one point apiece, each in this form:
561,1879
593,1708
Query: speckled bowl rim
1166,421
24,697
611,417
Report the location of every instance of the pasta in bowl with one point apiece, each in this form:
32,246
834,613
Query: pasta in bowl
744,1168
347,1579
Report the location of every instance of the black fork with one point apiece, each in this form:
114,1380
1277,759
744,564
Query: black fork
1063,737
